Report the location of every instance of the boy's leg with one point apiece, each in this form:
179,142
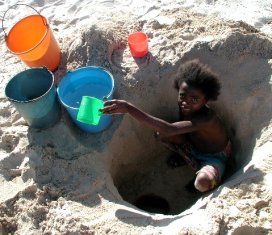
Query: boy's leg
212,170
171,142
185,152
175,160
207,178
175,139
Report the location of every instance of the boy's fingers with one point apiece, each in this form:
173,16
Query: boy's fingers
108,108
109,102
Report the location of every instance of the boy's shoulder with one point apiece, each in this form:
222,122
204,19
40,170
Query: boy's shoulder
206,114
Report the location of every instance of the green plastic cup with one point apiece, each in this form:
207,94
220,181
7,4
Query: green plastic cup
89,110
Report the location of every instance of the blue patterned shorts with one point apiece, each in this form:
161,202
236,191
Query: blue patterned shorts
213,164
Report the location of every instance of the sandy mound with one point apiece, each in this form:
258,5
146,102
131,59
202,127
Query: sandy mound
63,181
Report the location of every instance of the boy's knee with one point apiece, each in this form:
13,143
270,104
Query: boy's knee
204,182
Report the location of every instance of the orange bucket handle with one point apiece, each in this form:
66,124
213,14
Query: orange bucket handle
15,5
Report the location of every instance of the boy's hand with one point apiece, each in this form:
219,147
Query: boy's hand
115,106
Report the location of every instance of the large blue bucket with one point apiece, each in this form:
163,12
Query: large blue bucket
34,95
86,81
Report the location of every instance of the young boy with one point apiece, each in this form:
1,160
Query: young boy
199,137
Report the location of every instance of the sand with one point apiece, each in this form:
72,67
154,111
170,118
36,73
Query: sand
63,181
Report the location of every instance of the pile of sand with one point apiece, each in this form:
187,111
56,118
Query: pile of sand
63,181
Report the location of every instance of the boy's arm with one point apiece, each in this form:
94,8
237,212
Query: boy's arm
156,124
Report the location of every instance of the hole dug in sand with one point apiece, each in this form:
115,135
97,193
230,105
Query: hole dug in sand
137,162
152,203
139,167
155,187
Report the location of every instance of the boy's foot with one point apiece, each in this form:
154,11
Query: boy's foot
175,161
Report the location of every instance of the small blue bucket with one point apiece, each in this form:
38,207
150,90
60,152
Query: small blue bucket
33,93
86,81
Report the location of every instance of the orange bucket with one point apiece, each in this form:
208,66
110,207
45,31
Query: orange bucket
138,44
32,40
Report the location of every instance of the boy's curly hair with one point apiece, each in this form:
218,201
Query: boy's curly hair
199,76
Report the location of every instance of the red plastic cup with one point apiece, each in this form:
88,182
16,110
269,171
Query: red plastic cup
138,44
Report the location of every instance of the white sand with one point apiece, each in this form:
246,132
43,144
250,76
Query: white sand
62,181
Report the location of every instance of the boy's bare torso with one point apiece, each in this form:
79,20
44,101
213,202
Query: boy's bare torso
211,135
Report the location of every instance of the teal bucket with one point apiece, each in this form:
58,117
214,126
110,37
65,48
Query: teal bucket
86,81
33,93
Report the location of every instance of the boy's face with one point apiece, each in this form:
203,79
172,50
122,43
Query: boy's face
190,99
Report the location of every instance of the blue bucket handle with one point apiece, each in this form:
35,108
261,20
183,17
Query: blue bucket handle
105,98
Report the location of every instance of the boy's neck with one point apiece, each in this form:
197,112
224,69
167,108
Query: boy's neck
202,111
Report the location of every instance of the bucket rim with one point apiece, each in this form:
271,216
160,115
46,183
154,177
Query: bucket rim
83,68
35,99
130,36
31,49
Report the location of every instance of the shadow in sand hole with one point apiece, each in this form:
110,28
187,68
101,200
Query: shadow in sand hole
152,203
